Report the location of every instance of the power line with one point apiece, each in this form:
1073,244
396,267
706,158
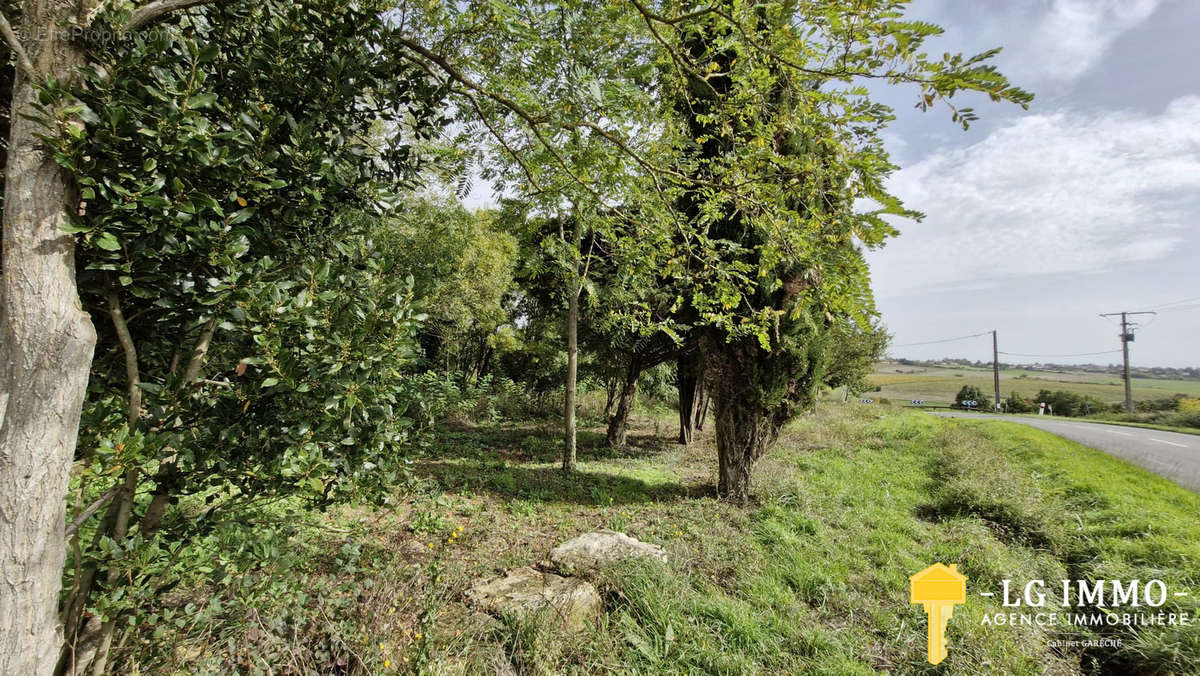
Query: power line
1181,308
1175,302
1078,354
944,340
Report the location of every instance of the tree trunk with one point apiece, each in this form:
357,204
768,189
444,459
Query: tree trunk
610,396
124,499
618,425
168,478
746,424
688,376
568,461
47,342
575,290
743,435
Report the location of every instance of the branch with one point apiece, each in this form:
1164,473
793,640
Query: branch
156,10
14,43
670,21
534,122
131,358
92,509
200,351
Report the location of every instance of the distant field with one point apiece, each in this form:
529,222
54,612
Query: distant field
938,385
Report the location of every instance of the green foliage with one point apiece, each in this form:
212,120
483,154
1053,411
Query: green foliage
224,162
972,393
853,353
1071,404
1015,403
462,264
240,171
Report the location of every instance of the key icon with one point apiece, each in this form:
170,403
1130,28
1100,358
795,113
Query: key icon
938,588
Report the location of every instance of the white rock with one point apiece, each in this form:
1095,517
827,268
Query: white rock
523,592
591,551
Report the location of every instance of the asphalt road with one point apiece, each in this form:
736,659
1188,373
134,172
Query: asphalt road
1169,454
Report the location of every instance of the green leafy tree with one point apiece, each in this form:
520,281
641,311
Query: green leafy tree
1015,403
256,330
972,393
462,264
854,350
751,142
781,148
550,95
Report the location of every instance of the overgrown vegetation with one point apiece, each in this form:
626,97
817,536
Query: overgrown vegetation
813,578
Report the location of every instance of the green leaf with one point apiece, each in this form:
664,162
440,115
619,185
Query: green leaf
108,242
200,101
73,227
208,53
270,382
241,215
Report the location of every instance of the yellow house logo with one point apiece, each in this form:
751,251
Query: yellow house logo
938,588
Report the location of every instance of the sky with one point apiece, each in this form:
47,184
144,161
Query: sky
1037,221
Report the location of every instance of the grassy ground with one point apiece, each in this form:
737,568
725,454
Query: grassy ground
811,579
938,385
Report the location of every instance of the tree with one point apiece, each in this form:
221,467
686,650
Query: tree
780,153
189,162
1018,404
639,355
45,336
854,349
761,145
551,115
462,264
972,393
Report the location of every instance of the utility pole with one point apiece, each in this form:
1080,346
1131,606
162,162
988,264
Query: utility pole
1126,339
996,368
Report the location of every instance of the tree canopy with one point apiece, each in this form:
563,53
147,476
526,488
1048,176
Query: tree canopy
280,311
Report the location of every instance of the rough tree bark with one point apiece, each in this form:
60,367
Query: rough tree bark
618,424
746,425
610,395
688,372
574,292
46,341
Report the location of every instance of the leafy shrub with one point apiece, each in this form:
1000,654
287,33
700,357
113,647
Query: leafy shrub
973,393
1018,404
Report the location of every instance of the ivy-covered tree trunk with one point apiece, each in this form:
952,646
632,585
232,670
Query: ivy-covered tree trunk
618,425
46,341
746,423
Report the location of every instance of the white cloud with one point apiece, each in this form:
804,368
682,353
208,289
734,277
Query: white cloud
1052,193
1074,34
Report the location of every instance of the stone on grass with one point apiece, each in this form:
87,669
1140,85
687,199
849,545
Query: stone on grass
527,592
592,551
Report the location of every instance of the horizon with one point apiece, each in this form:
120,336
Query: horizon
1011,364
